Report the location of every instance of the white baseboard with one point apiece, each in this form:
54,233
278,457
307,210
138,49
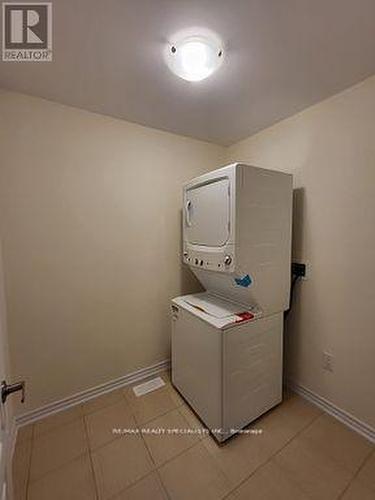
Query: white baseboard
82,397
11,444
12,436
139,375
346,418
78,398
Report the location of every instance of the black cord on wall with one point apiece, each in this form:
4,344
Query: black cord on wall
298,271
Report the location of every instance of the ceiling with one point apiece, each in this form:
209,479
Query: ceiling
281,56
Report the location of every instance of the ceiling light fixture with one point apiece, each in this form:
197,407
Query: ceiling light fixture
194,57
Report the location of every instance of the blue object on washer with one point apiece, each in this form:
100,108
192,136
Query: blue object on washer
245,281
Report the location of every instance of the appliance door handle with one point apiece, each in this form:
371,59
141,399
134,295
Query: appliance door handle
187,213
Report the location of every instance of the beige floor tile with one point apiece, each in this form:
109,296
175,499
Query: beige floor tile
366,475
101,423
73,481
358,491
315,473
242,454
120,463
100,402
275,427
193,421
194,475
269,483
148,488
20,468
337,441
58,447
168,444
56,420
238,457
294,413
153,404
25,432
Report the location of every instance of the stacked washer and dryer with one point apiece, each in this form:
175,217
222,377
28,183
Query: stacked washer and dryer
227,341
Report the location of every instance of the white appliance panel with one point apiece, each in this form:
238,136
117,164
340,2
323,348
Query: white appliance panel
229,376
207,214
253,370
253,267
196,362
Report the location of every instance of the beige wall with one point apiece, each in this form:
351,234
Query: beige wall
89,214
330,149
89,217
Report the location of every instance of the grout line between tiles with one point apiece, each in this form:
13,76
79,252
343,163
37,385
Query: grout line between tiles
365,460
155,416
119,437
163,486
93,450
338,464
42,476
90,458
92,412
247,477
53,429
180,453
87,450
115,496
155,467
270,457
154,470
136,425
148,450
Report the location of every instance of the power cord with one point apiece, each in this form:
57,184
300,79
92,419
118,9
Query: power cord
298,271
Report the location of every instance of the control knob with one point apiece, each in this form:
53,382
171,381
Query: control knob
227,260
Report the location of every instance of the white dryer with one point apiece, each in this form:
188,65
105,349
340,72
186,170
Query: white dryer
237,229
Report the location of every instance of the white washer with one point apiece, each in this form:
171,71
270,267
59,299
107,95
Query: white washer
228,369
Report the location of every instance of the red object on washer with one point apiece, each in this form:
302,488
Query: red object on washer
245,316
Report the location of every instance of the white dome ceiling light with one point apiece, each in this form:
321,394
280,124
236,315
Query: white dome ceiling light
194,57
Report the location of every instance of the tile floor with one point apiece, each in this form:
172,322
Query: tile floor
301,454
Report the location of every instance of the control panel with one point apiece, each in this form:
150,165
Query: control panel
220,261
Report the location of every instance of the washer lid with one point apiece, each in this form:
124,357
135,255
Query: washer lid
219,312
212,305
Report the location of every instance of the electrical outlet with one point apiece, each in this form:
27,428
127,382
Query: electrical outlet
327,361
298,269
301,269
307,271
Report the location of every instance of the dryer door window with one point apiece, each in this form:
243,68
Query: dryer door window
207,214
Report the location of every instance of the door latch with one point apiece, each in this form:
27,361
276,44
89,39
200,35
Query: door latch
7,389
